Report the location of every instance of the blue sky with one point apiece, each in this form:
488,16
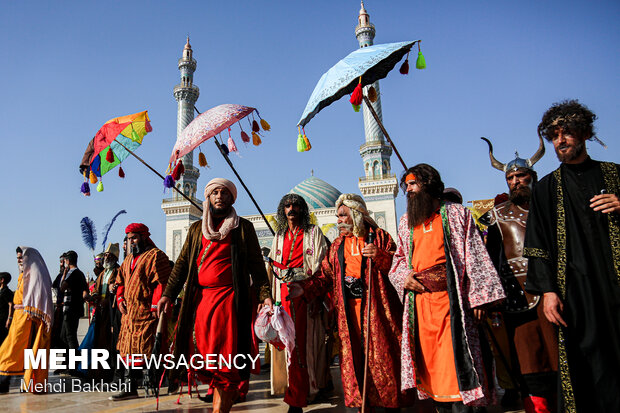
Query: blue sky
68,67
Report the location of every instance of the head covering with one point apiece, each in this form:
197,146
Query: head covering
143,230
517,163
359,213
230,222
113,249
99,256
37,287
6,276
452,195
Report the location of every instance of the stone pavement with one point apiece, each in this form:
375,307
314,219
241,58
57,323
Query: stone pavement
258,399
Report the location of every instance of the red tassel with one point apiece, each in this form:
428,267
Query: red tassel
255,127
404,69
178,171
121,173
109,156
147,126
244,137
356,96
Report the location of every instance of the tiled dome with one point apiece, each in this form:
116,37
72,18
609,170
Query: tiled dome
317,193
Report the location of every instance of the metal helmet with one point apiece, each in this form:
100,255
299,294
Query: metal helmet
517,163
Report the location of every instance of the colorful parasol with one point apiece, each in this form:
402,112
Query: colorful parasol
210,124
360,68
114,142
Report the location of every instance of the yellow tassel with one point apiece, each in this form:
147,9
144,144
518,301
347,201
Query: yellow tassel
202,160
307,142
93,178
372,94
256,139
265,125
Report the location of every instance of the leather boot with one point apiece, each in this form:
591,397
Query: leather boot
130,390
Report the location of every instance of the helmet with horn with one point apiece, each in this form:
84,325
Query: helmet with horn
517,163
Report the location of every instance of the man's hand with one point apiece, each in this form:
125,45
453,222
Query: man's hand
370,251
8,322
122,307
480,315
605,203
162,305
295,290
553,307
412,284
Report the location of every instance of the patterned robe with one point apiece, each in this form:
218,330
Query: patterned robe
139,325
385,333
472,282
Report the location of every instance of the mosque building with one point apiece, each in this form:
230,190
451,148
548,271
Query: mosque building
378,186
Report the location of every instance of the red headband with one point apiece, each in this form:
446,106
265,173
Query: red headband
137,228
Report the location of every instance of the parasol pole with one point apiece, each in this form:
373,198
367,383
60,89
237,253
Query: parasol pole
374,115
160,175
371,240
225,155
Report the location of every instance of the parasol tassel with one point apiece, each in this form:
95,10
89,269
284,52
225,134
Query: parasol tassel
356,96
100,187
255,127
178,171
244,137
93,178
266,127
202,160
307,143
301,143
421,62
109,156
121,173
372,94
255,138
231,145
404,68
85,189
168,182
224,148
357,107
148,127
135,137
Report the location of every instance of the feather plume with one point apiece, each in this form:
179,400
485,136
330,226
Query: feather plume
108,227
89,236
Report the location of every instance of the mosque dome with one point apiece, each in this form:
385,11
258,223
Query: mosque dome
317,193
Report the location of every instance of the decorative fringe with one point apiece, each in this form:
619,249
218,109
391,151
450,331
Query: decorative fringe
307,143
357,108
168,182
109,156
372,94
421,62
404,68
100,187
147,126
93,178
121,173
178,171
244,137
224,148
134,136
85,189
202,160
357,95
255,127
255,138
301,143
231,145
265,125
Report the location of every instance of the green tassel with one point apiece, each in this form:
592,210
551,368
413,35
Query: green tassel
301,144
356,107
135,137
421,62
100,187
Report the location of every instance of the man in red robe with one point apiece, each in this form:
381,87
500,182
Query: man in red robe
221,265
296,252
140,282
352,264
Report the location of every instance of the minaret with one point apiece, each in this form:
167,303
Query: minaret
379,186
180,214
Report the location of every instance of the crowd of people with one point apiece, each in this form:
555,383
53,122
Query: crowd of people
440,312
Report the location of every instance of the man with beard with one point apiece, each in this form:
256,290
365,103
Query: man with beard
531,337
444,275
573,245
140,282
296,254
98,265
104,298
352,263
220,254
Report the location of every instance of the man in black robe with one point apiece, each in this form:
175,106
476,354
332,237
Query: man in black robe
573,245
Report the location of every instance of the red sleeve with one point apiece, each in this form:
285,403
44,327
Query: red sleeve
156,296
120,293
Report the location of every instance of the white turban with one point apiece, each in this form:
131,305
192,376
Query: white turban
230,222
359,213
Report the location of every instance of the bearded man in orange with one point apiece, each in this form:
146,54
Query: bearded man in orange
140,283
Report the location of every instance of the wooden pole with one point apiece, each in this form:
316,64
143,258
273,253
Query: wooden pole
160,175
371,239
374,115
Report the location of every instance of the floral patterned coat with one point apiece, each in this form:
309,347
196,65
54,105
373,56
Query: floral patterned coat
472,282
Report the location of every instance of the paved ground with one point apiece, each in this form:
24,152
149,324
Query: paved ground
258,400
